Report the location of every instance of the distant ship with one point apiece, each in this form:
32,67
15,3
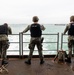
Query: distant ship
60,24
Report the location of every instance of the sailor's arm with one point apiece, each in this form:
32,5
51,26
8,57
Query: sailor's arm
42,27
26,29
9,30
66,29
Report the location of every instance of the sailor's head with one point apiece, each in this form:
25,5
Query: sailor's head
35,19
5,24
72,18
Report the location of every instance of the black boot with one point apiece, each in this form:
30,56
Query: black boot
4,62
68,60
28,62
41,61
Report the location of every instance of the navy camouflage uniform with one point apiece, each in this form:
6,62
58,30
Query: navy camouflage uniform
70,41
4,44
35,41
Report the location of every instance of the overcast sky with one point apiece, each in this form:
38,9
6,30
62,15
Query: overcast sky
48,11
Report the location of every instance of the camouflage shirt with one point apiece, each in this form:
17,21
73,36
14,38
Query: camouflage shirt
4,37
29,26
66,30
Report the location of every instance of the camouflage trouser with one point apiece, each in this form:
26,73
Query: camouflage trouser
71,47
37,42
4,45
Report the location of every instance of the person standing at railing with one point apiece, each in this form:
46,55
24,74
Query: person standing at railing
36,33
70,29
4,42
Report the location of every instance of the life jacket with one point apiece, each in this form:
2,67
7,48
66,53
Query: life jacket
3,29
35,30
71,29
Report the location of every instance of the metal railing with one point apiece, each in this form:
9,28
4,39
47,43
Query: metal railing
14,48
19,44
64,42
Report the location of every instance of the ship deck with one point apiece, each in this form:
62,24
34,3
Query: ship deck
18,67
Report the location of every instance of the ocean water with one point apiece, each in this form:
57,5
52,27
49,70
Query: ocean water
50,28
49,48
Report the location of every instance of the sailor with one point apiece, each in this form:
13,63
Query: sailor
36,33
4,41
70,29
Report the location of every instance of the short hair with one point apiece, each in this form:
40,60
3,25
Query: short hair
71,18
35,19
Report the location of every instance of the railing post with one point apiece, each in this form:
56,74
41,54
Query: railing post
57,42
61,40
20,44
